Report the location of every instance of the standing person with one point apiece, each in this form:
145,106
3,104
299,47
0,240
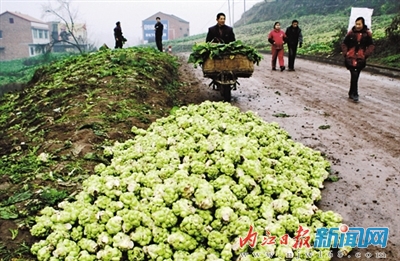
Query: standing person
119,38
356,48
294,39
220,33
158,28
277,38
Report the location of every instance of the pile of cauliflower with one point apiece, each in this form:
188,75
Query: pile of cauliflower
188,188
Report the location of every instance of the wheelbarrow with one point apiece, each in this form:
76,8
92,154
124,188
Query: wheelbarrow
225,71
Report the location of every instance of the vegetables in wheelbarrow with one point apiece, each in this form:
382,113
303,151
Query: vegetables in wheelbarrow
204,51
189,188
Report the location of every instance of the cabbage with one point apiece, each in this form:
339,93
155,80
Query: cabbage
188,188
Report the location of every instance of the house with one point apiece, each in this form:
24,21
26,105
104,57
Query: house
174,27
22,36
62,38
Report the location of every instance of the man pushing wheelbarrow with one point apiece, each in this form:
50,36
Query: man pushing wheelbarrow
223,59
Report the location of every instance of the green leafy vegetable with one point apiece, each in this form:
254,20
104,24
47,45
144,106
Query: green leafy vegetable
204,51
188,188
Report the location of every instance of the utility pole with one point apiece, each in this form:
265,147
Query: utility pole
244,12
229,11
233,12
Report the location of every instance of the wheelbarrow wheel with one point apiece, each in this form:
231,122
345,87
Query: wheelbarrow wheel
226,92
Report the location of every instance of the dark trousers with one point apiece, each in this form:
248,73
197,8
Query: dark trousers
159,43
118,44
292,56
354,75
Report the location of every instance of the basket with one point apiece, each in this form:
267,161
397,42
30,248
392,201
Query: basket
239,64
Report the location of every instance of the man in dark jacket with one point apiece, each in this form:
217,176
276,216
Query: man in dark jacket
158,28
220,33
119,38
294,39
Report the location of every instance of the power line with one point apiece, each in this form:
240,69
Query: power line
211,19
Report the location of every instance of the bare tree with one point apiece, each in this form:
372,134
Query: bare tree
67,16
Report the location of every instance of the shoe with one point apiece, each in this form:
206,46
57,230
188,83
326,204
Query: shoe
353,97
291,70
282,68
274,69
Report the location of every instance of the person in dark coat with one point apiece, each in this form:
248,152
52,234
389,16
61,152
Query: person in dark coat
119,38
294,39
220,33
158,28
357,46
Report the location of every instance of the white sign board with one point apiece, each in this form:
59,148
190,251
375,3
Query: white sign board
363,12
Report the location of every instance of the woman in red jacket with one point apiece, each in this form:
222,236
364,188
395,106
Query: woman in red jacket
356,48
277,38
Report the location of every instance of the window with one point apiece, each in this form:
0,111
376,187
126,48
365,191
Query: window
11,20
32,51
1,34
40,34
35,33
46,35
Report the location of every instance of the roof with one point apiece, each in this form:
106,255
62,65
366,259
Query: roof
25,17
163,15
179,19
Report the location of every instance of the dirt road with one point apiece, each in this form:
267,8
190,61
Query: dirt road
361,140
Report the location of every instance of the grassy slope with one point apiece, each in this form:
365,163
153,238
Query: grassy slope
281,9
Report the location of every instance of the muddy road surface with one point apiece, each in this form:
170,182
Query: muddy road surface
361,140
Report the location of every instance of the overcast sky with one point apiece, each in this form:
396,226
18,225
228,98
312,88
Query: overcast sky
100,15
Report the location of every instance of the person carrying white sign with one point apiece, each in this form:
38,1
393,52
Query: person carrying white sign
356,48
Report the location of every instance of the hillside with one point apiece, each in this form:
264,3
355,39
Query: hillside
290,9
